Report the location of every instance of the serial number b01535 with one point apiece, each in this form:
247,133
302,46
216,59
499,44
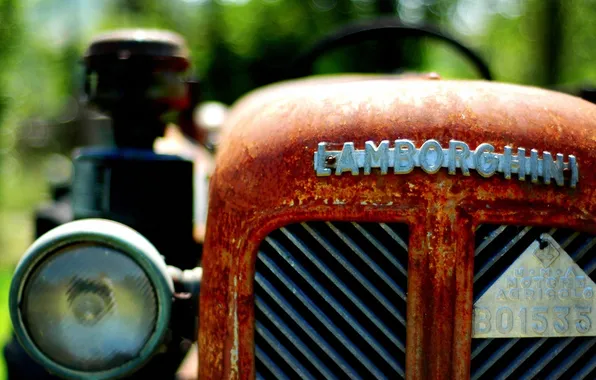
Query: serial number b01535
544,293
541,320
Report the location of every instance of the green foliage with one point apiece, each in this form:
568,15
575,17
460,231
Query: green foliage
240,45
9,31
578,42
5,328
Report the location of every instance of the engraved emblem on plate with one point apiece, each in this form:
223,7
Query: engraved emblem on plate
544,293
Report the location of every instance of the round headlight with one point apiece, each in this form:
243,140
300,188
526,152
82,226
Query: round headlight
91,298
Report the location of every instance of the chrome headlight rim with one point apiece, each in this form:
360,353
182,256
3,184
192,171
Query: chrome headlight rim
112,235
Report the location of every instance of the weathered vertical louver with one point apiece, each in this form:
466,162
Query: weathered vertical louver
330,301
497,247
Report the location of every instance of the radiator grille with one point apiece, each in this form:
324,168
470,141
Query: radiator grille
330,301
497,247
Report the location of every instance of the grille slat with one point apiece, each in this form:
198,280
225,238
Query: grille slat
529,357
381,249
293,338
564,367
570,240
314,295
322,317
394,236
380,272
354,272
283,352
586,248
306,328
544,360
585,371
489,239
478,349
334,304
493,359
266,360
501,253
590,267
328,298
514,365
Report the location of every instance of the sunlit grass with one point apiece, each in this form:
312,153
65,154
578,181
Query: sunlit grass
21,191
5,326
17,229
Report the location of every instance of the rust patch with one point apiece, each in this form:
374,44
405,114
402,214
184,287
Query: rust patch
264,179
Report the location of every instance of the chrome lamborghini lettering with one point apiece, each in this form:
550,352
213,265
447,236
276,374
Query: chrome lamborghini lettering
404,156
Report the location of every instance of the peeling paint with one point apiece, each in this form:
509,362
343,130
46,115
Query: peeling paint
236,342
251,196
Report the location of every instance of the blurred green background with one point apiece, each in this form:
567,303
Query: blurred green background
236,45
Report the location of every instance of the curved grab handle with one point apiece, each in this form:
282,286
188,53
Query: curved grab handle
379,29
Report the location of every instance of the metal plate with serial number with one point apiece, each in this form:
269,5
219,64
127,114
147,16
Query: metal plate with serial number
544,293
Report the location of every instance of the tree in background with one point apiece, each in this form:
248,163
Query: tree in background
9,30
238,45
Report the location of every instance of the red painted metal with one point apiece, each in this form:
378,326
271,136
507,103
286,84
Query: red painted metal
265,179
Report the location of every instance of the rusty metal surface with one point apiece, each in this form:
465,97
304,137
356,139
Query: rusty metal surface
265,179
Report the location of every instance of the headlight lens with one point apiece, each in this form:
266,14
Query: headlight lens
92,298
89,308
